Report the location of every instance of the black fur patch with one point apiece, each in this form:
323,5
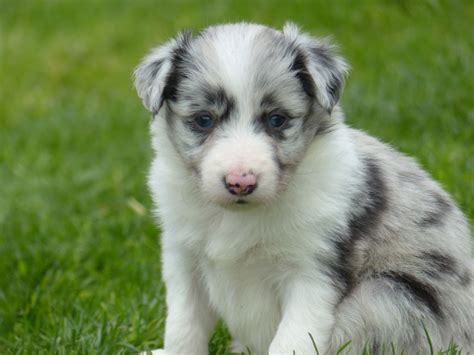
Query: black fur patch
177,72
436,216
439,264
218,100
419,290
302,74
361,225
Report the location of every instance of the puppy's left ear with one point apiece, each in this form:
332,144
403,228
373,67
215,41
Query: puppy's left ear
153,73
321,70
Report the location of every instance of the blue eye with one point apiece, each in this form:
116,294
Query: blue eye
204,121
276,121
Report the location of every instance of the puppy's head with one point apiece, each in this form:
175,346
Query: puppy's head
242,103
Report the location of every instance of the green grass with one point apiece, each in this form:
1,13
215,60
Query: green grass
79,257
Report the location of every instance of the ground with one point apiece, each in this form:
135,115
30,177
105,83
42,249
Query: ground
79,252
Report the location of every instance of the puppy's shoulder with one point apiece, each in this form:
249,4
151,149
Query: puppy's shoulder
415,202
396,167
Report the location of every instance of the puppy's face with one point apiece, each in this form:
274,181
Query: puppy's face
242,103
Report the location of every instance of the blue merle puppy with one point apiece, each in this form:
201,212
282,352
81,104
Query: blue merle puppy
283,221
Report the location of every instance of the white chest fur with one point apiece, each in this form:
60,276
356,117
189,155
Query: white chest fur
245,294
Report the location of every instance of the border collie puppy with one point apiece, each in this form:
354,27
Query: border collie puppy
283,221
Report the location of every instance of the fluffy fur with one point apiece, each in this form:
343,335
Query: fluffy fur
343,238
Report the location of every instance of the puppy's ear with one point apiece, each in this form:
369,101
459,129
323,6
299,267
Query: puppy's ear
155,71
321,70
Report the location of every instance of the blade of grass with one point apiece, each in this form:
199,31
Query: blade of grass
341,349
392,346
428,338
314,344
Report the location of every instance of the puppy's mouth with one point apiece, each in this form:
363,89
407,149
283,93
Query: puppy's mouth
240,204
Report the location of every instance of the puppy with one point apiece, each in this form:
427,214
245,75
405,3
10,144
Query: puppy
282,220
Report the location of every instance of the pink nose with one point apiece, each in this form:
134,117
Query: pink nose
240,183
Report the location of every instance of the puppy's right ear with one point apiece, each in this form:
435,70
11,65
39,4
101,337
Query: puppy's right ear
153,73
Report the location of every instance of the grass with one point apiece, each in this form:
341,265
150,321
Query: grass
79,257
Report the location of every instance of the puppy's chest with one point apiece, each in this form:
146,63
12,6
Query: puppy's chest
243,272
245,292
236,239
262,249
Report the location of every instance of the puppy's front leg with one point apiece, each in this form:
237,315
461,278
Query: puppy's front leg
190,320
307,307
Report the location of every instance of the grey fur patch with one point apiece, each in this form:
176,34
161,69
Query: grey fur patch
269,102
336,78
437,213
409,177
323,126
282,167
333,69
466,278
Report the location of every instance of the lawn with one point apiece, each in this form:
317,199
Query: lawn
79,252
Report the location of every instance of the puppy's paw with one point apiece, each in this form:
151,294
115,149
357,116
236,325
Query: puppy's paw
154,352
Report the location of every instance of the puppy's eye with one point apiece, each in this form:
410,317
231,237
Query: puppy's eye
204,121
276,121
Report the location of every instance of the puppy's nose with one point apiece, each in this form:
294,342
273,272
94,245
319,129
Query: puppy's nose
241,184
